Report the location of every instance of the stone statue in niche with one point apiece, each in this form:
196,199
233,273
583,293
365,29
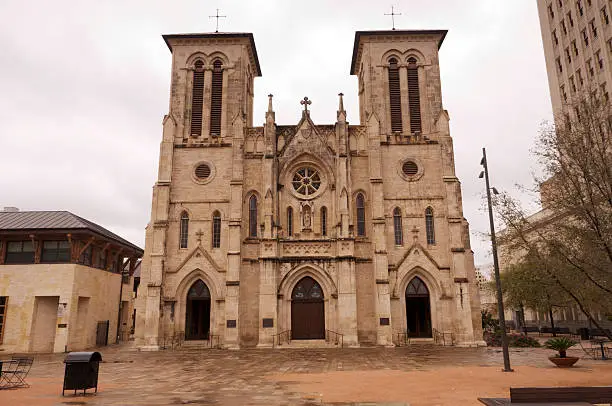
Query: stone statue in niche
307,217
306,211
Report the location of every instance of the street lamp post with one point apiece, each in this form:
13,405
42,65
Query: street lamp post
500,302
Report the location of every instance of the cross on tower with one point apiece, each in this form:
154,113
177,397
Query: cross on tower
393,14
305,103
217,17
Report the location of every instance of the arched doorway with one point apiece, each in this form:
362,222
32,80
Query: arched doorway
418,309
197,316
307,310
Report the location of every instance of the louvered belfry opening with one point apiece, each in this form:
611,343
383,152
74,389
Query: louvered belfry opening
414,98
197,99
395,98
216,99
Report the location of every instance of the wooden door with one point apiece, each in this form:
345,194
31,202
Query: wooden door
307,311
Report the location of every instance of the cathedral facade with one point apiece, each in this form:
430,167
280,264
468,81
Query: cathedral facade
261,235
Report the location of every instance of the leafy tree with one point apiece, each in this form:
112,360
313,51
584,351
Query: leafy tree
568,245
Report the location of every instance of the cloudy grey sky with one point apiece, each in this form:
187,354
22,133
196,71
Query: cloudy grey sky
84,86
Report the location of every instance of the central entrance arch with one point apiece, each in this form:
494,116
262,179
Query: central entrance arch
418,309
307,310
197,316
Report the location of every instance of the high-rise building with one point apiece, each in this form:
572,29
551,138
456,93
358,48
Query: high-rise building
577,37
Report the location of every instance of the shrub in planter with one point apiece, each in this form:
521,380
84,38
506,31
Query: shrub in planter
561,344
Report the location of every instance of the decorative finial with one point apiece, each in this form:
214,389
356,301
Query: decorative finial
270,96
341,105
305,103
393,14
217,17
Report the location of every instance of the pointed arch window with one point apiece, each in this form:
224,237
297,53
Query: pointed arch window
414,97
184,230
216,99
216,231
429,226
290,221
397,226
197,99
395,99
360,203
324,221
253,216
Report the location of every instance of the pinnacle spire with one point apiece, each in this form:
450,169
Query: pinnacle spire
270,109
341,102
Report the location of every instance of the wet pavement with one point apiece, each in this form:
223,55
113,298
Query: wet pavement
273,377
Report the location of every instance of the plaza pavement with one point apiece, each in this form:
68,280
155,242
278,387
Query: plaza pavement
421,374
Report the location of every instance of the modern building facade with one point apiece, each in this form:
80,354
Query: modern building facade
61,285
577,38
307,229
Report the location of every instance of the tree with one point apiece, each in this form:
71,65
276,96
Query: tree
525,285
568,245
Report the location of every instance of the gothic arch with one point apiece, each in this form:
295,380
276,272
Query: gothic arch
213,283
413,53
191,60
288,283
319,274
392,53
434,296
220,56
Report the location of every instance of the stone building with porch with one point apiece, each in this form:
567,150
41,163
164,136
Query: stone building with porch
61,285
307,229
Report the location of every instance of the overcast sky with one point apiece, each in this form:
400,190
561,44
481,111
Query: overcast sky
84,87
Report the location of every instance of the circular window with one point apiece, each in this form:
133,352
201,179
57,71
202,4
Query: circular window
306,181
202,172
410,168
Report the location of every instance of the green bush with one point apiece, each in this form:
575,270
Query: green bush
514,340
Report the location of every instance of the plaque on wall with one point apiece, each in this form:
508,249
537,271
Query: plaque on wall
384,321
231,324
63,325
267,323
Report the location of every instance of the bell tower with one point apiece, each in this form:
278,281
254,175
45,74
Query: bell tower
399,80
212,82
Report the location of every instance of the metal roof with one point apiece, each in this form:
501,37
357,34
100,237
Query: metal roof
247,35
359,34
55,220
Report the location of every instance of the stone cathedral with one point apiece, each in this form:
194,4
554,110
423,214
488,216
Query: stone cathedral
266,235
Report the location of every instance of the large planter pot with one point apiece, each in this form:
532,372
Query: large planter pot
565,362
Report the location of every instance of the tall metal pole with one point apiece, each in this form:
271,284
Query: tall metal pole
500,301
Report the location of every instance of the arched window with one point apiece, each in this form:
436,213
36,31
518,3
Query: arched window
324,221
197,99
290,221
253,216
429,226
395,98
216,231
360,215
397,226
414,98
184,230
216,99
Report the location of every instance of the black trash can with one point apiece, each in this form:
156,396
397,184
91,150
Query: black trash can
81,371
584,333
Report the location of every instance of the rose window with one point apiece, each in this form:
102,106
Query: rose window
306,181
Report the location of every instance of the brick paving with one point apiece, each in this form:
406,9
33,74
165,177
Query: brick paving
287,376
